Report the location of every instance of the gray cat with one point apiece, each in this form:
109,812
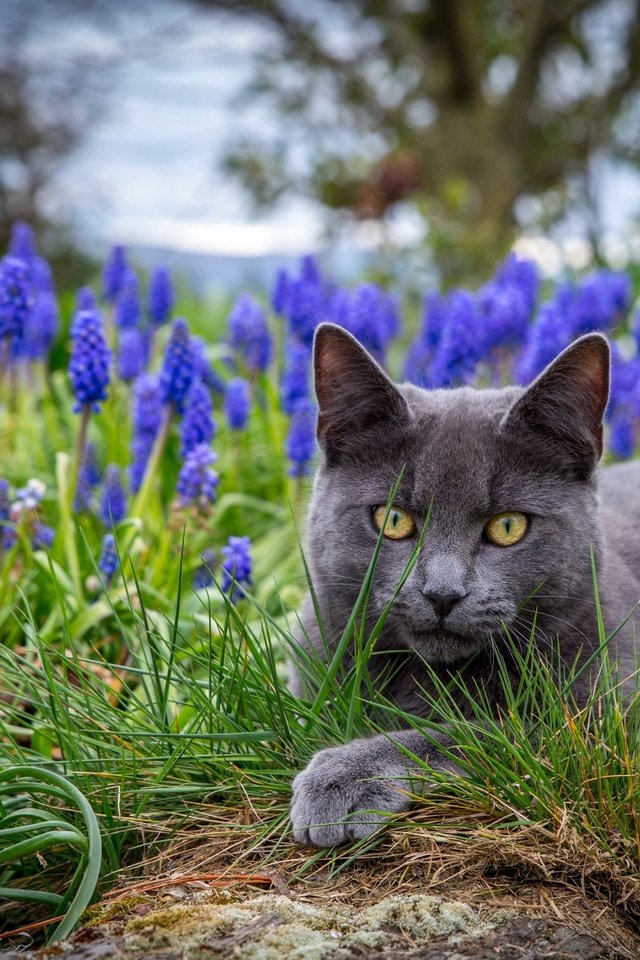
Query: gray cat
518,504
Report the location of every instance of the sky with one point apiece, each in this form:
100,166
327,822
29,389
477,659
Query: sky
148,172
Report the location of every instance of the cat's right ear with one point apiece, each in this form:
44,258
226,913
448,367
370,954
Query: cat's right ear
356,398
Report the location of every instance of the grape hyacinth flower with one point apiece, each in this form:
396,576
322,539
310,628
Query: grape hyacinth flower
43,536
161,296
237,403
236,566
113,504
369,314
88,478
114,273
202,369
198,425
177,366
7,531
601,299
108,561
197,482
203,575
548,336
421,352
146,419
622,435
295,379
249,334
301,439
15,299
22,244
457,353
127,307
280,292
90,360
41,327
132,353
85,299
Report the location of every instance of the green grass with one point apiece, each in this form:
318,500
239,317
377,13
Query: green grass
199,715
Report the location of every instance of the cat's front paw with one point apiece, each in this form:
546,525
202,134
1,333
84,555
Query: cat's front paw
346,792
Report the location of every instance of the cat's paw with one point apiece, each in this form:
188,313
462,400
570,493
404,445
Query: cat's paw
346,792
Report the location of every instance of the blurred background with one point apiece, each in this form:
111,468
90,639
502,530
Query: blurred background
416,137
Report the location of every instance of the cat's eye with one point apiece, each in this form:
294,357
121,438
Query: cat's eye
505,529
399,525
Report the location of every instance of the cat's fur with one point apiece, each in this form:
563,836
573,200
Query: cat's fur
473,454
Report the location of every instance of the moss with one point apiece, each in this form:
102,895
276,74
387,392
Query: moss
273,927
99,913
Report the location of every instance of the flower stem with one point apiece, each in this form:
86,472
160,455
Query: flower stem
140,503
81,442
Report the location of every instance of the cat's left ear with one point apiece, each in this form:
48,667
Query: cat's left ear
563,409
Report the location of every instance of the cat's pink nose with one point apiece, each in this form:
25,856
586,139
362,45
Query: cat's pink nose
443,603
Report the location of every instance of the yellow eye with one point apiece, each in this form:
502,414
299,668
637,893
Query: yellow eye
505,529
399,524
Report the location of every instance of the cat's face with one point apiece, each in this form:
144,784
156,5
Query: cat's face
508,475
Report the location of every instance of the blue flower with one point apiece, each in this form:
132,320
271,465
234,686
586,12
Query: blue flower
504,317
108,561
90,359
280,292
41,327
458,350
132,353
236,565
198,425
295,379
22,244
369,314
161,296
305,301
42,276
146,419
237,403
43,536
203,575
202,369
550,333
197,482
88,478
7,530
622,435
301,439
114,273
600,300
249,334
422,350
85,299
522,274
113,504
15,298
127,311
177,366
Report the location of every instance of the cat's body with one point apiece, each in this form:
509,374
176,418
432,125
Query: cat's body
471,455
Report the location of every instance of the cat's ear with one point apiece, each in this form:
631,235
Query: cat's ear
356,398
564,408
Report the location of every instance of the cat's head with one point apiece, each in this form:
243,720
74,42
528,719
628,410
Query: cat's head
509,477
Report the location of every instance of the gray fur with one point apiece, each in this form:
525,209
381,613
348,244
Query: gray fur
476,453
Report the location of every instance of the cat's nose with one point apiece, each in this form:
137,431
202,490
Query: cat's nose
443,603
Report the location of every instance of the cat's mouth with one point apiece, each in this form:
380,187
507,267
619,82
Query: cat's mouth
442,645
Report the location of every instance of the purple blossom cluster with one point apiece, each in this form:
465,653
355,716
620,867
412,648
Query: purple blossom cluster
146,420
197,481
237,566
249,334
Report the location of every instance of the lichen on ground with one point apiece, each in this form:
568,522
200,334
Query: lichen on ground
271,927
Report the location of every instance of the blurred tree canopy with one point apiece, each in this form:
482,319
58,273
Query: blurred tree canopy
461,107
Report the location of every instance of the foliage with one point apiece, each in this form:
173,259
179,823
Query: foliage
147,600
463,109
